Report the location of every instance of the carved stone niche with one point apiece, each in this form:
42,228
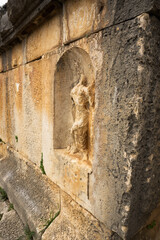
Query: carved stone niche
74,105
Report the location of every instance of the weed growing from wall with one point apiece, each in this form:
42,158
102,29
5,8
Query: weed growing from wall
49,221
3,194
41,164
1,141
28,233
152,225
16,138
10,207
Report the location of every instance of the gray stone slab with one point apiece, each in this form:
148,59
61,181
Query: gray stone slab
34,197
11,227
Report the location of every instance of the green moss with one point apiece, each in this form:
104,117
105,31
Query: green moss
152,225
28,233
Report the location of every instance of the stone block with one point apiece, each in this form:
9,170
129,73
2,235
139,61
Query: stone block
24,103
29,138
127,126
12,57
11,226
78,18
74,222
84,17
34,196
72,175
17,55
46,37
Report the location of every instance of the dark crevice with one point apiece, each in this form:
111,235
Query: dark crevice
34,60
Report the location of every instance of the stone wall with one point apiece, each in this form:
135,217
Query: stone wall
115,175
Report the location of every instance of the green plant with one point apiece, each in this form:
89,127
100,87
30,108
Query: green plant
3,194
28,233
10,207
1,215
20,238
152,225
1,141
16,137
41,164
49,221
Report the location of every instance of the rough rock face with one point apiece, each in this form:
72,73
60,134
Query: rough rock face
5,24
132,85
20,8
11,226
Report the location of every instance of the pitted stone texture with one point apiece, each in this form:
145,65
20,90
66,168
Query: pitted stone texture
75,223
18,8
151,231
3,207
80,18
83,17
128,9
5,24
11,227
127,126
34,197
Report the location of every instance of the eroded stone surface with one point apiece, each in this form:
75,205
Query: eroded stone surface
82,101
129,139
75,223
33,197
11,227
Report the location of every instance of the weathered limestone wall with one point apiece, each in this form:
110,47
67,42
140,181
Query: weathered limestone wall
117,46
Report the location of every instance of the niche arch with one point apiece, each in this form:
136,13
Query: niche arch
74,63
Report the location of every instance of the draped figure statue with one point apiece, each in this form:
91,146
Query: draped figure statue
82,101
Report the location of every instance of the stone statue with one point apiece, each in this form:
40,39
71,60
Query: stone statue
82,100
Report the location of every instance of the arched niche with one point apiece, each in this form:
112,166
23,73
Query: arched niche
71,66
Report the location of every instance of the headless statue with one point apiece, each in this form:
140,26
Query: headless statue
82,100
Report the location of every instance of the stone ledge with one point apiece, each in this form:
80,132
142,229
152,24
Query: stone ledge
75,222
27,20
33,195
